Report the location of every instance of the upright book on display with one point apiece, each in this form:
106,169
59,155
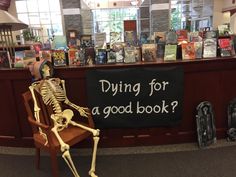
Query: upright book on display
149,52
59,58
225,46
5,59
170,52
188,51
209,48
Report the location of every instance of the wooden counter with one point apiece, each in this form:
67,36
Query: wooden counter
213,80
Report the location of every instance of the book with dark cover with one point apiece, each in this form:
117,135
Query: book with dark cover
101,56
149,52
160,49
89,55
198,49
129,55
59,58
170,52
209,48
225,46
188,51
5,59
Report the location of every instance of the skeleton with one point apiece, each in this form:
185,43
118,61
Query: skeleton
53,93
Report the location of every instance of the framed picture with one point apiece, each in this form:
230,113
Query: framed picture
72,34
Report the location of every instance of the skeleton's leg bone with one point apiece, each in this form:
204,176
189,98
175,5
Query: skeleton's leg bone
66,156
65,149
95,132
93,164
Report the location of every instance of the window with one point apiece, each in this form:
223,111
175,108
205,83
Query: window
42,14
111,20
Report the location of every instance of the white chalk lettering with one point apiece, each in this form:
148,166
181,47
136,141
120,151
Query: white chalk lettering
157,86
95,111
119,87
163,108
117,110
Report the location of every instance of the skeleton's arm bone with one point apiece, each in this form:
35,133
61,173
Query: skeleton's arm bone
82,110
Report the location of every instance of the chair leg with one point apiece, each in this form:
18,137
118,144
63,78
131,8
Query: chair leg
53,156
37,158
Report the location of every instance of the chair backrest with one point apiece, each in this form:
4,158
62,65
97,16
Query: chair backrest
45,111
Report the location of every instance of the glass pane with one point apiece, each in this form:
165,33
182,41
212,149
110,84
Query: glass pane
57,29
55,6
32,6
43,6
34,18
45,18
56,18
24,18
21,6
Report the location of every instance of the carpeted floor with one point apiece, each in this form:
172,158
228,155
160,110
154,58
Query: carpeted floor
211,162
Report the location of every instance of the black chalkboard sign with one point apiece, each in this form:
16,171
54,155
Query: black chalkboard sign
135,97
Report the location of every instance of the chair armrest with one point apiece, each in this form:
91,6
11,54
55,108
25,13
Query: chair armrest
90,120
38,124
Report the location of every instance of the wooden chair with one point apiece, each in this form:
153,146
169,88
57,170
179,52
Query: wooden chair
70,135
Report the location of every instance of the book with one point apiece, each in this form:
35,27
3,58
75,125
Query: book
59,58
198,49
188,51
144,38
73,57
170,52
194,37
171,37
100,40
86,41
137,53
19,59
130,38
118,47
129,55
160,49
45,54
29,57
101,56
149,52
59,43
111,56
223,30
159,36
115,37
89,55
182,35
5,59
225,46
209,48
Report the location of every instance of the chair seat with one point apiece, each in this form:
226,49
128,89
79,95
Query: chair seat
70,135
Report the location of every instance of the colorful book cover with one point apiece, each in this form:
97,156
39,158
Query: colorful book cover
5,59
188,51
59,58
137,53
100,40
209,48
182,35
45,54
19,59
171,37
225,47
101,56
159,36
29,57
198,49
144,38
59,42
129,55
170,52
73,57
37,47
149,52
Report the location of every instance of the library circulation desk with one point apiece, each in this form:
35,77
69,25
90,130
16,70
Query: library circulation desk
212,80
